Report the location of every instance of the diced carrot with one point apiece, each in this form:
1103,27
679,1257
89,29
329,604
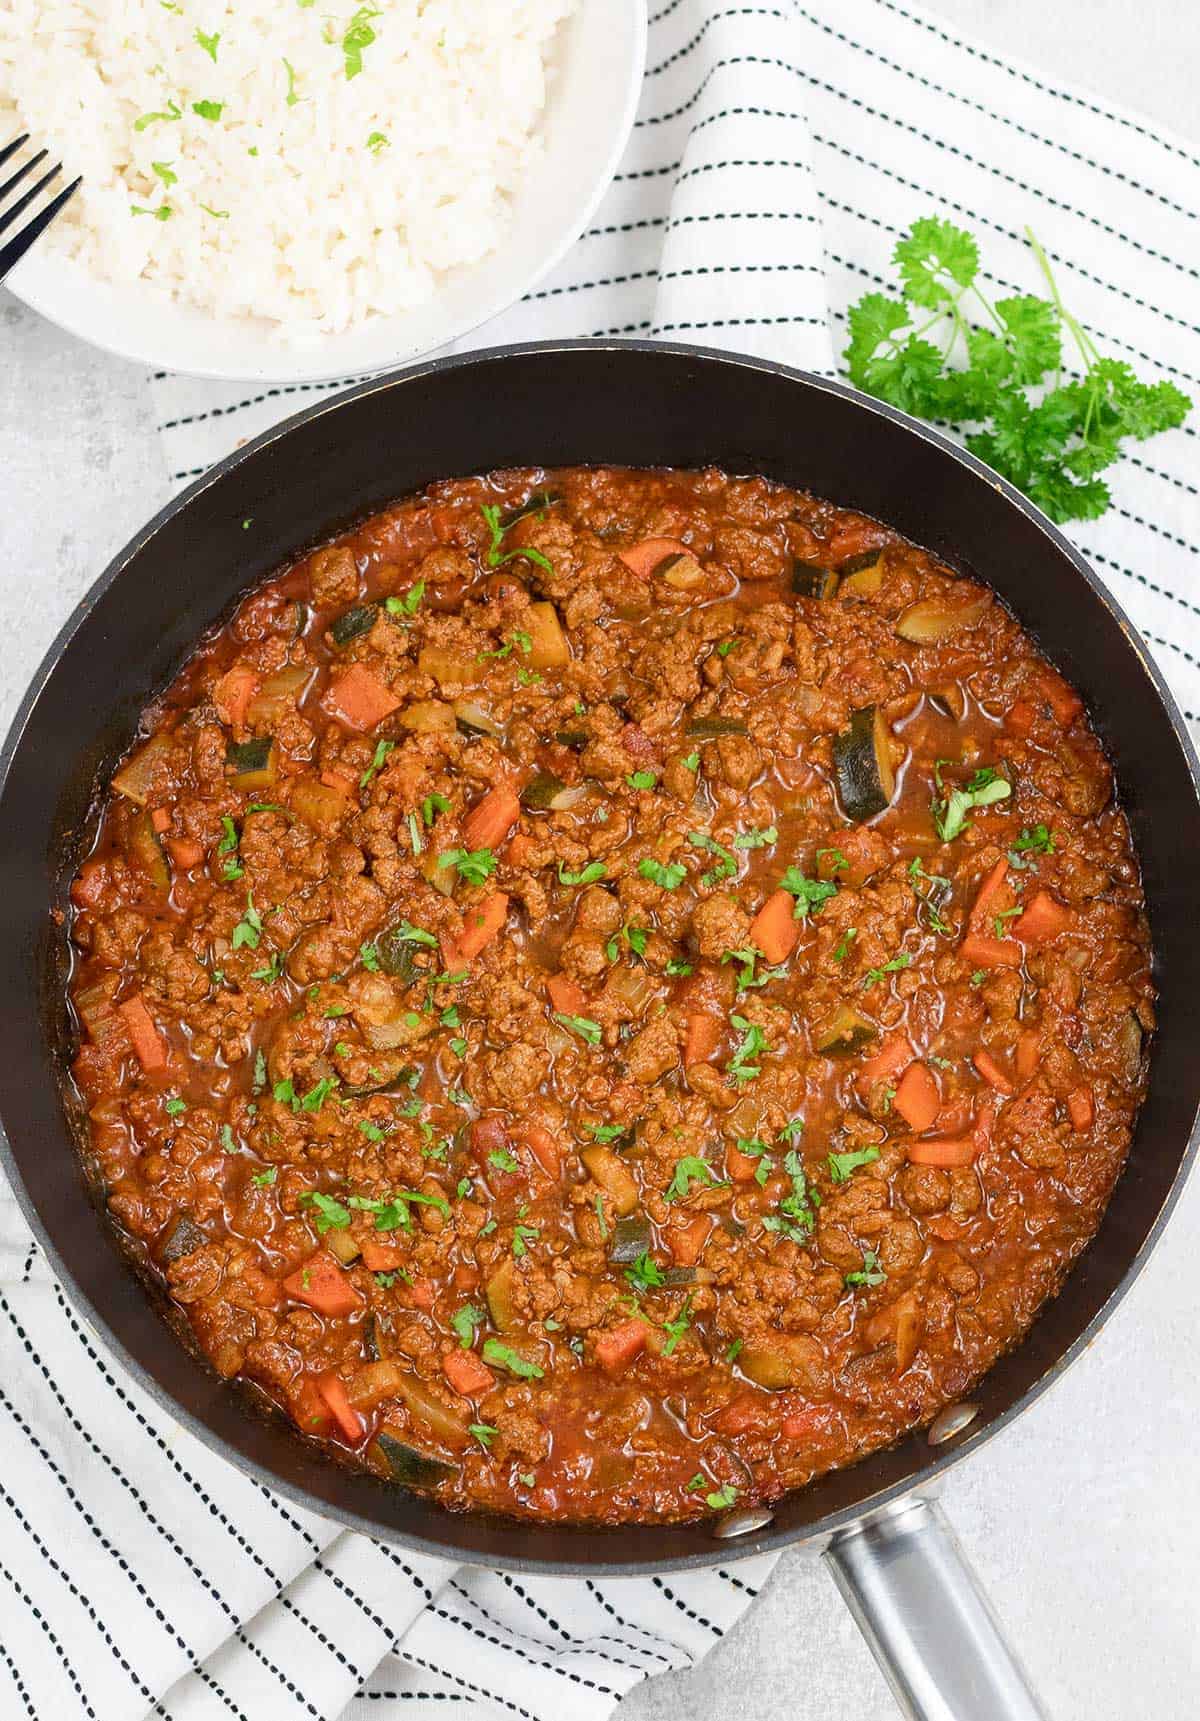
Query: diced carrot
701,1041
89,887
1043,920
380,1257
1063,701
232,694
894,1055
488,1135
917,1097
987,901
161,820
184,852
421,1294
467,1374
1019,717
480,925
542,1146
749,1410
1081,1109
803,1424
489,822
983,952
349,1422
144,1036
340,780
615,1350
1029,1049
643,558
309,1410
359,698
686,1240
991,1072
520,847
321,1284
566,996
740,1166
956,1150
960,1150
774,929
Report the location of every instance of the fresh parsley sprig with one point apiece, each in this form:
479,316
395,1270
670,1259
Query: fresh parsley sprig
1049,431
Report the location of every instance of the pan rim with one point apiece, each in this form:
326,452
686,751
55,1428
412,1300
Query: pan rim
770,1539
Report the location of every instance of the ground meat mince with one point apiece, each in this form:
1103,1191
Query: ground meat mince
607,994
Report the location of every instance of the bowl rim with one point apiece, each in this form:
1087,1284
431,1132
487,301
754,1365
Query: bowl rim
91,329
769,1539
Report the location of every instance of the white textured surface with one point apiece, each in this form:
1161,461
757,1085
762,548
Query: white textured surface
1083,1519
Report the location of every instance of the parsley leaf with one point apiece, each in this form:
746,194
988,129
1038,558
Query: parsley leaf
740,1068
505,1357
331,1215
690,1170
208,43
210,111
922,354
248,930
358,35
590,873
382,749
871,1273
795,1218
726,863
645,1274
874,975
985,788
666,877
465,1322
759,839
581,1025
642,779
474,867
841,1165
1037,841
497,526
809,893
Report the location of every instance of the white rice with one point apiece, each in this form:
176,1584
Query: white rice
321,195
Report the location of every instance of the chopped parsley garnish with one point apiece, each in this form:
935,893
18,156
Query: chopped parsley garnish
458,1046
642,779
841,1165
985,788
432,805
809,893
1037,841
264,1179
505,1357
721,1497
756,839
581,1025
376,142
409,604
466,1322
407,933
666,877
874,975
172,113
590,873
208,43
871,1273
792,1130
393,1214
483,1432
795,1218
382,749
210,111
675,966
369,957
939,889
523,1236
173,1107
691,762
747,978
497,526
740,1067
754,1148
164,211
676,1328
291,98
163,170
731,1355
688,1171
843,949
358,35
331,1215
645,1274
474,866
503,1160
634,936
372,1131
605,1131
248,930
272,971
726,863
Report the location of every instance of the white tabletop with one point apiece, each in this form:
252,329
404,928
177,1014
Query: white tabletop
1083,1518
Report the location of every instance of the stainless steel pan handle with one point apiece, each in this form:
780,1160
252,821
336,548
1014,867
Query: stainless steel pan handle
926,1619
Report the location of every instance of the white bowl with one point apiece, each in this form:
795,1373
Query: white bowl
599,58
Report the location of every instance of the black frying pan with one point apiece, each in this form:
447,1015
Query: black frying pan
570,404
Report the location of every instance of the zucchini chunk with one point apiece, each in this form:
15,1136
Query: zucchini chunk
630,1238
186,1237
862,758
705,728
810,580
546,793
406,1466
252,764
933,619
864,579
145,848
846,1031
352,622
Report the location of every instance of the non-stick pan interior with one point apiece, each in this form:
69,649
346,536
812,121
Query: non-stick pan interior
561,405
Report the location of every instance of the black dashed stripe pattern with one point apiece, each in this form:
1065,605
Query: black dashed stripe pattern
778,152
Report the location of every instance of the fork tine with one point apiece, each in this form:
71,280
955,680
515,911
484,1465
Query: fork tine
15,249
19,175
13,147
22,203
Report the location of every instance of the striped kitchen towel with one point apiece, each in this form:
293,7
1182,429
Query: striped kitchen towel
778,152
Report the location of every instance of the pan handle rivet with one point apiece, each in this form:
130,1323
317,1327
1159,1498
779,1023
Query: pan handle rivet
951,1421
742,1523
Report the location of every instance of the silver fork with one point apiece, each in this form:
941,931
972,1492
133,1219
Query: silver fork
15,248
